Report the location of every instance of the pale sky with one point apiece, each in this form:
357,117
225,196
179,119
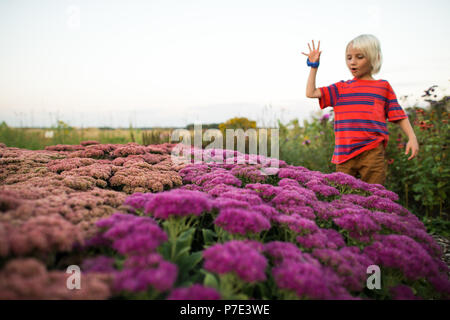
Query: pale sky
174,62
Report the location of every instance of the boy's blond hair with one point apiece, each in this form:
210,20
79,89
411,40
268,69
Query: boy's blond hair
370,46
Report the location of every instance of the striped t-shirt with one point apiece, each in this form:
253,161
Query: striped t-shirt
361,108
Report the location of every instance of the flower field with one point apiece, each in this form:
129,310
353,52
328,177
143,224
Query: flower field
142,226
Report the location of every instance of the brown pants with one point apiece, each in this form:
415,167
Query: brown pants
371,165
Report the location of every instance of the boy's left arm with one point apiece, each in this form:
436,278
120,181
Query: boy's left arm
412,144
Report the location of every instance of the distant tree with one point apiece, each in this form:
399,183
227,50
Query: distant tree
238,123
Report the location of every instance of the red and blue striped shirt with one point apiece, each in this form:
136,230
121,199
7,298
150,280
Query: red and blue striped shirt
361,108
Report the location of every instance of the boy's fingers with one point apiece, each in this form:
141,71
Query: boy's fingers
309,47
318,46
414,152
313,45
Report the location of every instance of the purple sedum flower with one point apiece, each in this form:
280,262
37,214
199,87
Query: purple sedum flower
360,226
323,239
309,281
137,200
219,176
286,251
346,179
298,224
236,256
136,277
403,253
179,203
242,221
221,188
348,263
248,197
265,191
100,264
402,292
131,234
321,188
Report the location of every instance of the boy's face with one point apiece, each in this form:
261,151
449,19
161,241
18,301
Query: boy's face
358,63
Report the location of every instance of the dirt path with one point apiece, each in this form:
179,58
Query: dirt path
445,244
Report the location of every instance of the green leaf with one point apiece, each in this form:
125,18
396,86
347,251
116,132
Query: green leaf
195,258
186,263
186,235
164,250
209,236
182,252
185,239
211,281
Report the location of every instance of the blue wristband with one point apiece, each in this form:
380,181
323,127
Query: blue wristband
312,64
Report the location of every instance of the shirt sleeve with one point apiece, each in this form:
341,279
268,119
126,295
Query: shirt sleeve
394,111
329,95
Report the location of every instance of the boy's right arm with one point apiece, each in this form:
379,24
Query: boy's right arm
311,90
313,56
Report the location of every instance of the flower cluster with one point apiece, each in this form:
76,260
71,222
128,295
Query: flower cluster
302,274
219,176
236,256
291,201
72,199
321,188
138,239
99,264
50,200
402,292
96,151
249,173
242,221
142,271
143,177
349,263
281,252
42,234
178,203
129,149
294,205
132,235
265,191
28,279
360,226
391,250
298,224
322,239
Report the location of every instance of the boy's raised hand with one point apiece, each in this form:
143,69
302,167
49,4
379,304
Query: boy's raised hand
314,54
